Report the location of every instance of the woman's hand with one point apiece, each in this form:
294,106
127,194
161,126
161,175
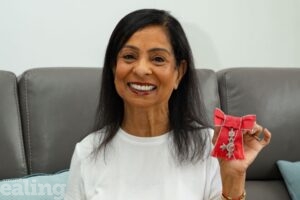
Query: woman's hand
233,172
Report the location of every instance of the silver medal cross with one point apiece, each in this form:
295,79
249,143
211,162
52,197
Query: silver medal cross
229,147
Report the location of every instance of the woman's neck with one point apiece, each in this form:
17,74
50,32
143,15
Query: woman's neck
146,122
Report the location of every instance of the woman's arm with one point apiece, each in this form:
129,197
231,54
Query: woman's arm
74,190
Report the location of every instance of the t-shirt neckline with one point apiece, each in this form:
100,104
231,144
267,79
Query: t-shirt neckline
145,140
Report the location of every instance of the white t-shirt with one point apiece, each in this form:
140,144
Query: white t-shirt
139,168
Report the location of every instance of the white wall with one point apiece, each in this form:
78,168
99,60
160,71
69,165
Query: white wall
222,33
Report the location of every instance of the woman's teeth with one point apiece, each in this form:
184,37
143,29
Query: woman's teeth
145,88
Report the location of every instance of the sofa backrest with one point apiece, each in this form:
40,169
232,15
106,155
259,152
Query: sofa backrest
12,154
59,107
208,92
273,94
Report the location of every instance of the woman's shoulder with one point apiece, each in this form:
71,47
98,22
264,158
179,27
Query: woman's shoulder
89,143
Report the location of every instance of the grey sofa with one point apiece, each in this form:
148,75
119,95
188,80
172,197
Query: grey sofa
45,111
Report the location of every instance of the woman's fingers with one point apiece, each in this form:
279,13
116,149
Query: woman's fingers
260,133
267,137
257,129
257,132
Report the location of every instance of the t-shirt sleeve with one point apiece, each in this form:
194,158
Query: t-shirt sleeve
215,186
74,189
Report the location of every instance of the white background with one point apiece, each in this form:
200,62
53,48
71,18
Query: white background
222,33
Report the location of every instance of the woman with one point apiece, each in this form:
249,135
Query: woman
153,142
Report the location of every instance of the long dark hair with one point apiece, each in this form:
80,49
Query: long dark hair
187,120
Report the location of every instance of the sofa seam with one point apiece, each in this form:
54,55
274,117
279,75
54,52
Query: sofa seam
28,123
19,120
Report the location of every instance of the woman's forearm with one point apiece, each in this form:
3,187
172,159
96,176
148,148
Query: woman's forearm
233,185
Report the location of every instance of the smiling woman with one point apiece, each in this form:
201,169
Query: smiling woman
146,73
153,141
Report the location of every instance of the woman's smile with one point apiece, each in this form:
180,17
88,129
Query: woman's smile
141,88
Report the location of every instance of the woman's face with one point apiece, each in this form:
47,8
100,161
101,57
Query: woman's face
146,73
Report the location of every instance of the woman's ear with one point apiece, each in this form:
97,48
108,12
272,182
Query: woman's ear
181,71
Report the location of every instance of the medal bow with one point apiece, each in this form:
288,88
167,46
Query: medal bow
229,143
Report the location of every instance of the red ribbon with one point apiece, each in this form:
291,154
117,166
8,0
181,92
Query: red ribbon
229,144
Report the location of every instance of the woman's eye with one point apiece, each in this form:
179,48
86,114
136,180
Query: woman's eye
158,59
128,57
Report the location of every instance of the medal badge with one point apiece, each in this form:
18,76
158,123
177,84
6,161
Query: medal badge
229,143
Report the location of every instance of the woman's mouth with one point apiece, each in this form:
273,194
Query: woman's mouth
141,87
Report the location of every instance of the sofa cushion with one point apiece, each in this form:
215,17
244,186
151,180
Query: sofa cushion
273,95
35,187
58,109
291,175
12,154
266,189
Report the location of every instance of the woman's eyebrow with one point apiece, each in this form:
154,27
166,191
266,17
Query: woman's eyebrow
160,49
130,47
150,50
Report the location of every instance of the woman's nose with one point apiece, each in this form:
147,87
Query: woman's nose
142,68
